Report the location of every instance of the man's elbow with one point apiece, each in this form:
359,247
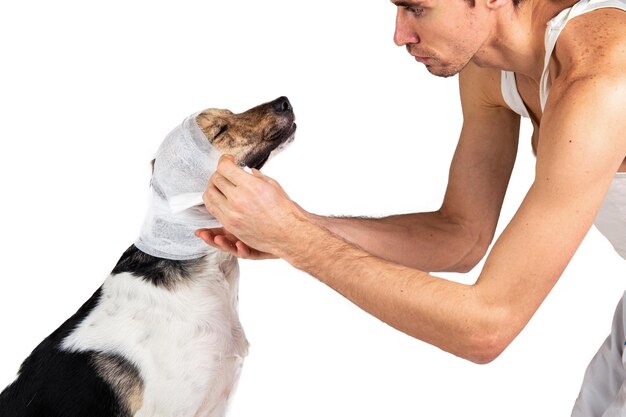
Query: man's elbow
487,344
476,253
471,244
486,353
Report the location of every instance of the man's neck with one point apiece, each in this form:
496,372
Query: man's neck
518,40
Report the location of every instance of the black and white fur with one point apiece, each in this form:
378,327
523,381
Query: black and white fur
159,338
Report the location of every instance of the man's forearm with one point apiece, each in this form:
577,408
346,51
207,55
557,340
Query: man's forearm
440,312
425,241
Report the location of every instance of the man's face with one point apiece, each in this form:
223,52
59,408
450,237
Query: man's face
444,35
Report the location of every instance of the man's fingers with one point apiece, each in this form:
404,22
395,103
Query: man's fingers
230,170
217,240
225,245
208,238
243,251
211,233
213,199
203,234
207,235
222,184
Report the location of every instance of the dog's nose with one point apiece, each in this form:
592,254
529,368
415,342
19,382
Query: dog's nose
281,105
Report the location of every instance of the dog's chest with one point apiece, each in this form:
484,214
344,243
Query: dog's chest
186,342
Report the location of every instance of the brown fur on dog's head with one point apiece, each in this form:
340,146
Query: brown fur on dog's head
252,135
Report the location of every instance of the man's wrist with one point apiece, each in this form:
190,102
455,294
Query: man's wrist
320,221
302,244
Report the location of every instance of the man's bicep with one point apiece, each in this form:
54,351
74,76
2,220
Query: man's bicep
581,144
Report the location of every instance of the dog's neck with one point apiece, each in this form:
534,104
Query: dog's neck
182,166
172,235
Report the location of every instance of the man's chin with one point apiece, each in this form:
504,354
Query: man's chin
443,72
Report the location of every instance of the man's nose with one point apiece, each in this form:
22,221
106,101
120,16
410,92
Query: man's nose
404,34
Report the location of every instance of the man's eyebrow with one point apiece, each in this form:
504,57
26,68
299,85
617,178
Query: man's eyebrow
405,3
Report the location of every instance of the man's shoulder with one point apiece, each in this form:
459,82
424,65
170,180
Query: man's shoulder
593,44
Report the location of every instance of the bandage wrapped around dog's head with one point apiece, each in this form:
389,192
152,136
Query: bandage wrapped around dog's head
185,162
182,167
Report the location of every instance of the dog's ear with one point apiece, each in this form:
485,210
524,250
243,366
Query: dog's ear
152,165
213,122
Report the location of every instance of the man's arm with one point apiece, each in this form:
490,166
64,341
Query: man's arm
582,144
457,236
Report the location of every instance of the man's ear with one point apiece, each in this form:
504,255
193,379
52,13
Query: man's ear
497,4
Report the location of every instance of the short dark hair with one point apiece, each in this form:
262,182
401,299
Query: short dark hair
473,3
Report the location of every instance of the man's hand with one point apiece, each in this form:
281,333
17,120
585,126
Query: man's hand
257,215
222,239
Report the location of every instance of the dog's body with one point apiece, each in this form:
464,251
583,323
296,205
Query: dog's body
160,337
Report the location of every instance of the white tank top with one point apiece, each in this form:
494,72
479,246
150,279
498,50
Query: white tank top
611,219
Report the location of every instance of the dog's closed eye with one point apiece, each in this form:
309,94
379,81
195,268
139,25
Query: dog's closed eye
222,130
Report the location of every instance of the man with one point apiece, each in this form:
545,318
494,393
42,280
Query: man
509,62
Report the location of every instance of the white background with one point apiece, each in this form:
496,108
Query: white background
87,91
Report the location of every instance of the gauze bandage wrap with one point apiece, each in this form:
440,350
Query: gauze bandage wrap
182,168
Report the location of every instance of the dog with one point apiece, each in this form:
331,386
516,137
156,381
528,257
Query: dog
161,337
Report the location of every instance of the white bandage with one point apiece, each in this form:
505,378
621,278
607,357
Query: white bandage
184,201
183,165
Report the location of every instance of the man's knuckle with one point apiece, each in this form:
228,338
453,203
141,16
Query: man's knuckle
206,198
256,188
235,203
211,194
234,220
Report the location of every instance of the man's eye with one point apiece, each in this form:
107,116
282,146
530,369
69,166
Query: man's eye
415,10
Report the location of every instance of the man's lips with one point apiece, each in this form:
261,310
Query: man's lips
418,57
422,59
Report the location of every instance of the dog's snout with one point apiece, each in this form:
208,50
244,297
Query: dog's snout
281,105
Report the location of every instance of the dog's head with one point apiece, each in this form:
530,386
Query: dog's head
250,136
187,158
189,154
